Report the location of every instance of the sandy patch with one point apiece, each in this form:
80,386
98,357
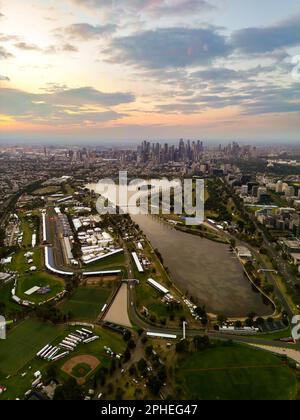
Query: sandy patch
118,312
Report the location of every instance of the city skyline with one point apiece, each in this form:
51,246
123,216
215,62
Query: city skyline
88,71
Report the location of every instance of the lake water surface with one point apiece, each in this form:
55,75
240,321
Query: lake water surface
205,269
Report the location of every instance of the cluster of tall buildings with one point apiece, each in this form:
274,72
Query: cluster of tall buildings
280,219
164,153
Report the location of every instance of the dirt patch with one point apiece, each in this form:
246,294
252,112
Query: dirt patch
96,281
118,311
71,364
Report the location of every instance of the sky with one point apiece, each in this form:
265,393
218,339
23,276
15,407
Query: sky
129,70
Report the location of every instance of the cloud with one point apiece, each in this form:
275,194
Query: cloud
50,49
69,48
4,78
273,99
169,47
89,95
27,47
62,106
267,39
7,37
148,7
223,75
216,75
4,54
86,31
179,7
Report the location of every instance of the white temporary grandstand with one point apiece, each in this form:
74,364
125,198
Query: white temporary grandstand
44,227
158,286
137,262
159,335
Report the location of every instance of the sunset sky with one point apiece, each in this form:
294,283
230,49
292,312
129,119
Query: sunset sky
89,70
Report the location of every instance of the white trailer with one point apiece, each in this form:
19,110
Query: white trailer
45,355
53,352
75,337
67,343
90,340
87,331
43,349
71,341
60,356
75,340
82,334
65,346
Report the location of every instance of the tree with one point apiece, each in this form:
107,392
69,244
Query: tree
113,366
140,332
131,344
142,366
182,346
154,385
222,319
249,322
70,391
201,312
51,373
127,335
149,351
127,355
268,289
201,343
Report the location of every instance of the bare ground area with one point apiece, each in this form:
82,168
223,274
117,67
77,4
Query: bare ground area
118,312
95,281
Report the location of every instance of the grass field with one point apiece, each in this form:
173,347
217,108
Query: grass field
5,297
17,353
22,344
87,302
236,373
28,281
81,370
19,262
47,190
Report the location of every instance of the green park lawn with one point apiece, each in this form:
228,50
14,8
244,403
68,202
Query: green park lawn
19,261
236,373
22,344
10,308
86,303
18,353
40,279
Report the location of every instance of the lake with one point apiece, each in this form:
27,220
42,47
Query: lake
204,269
